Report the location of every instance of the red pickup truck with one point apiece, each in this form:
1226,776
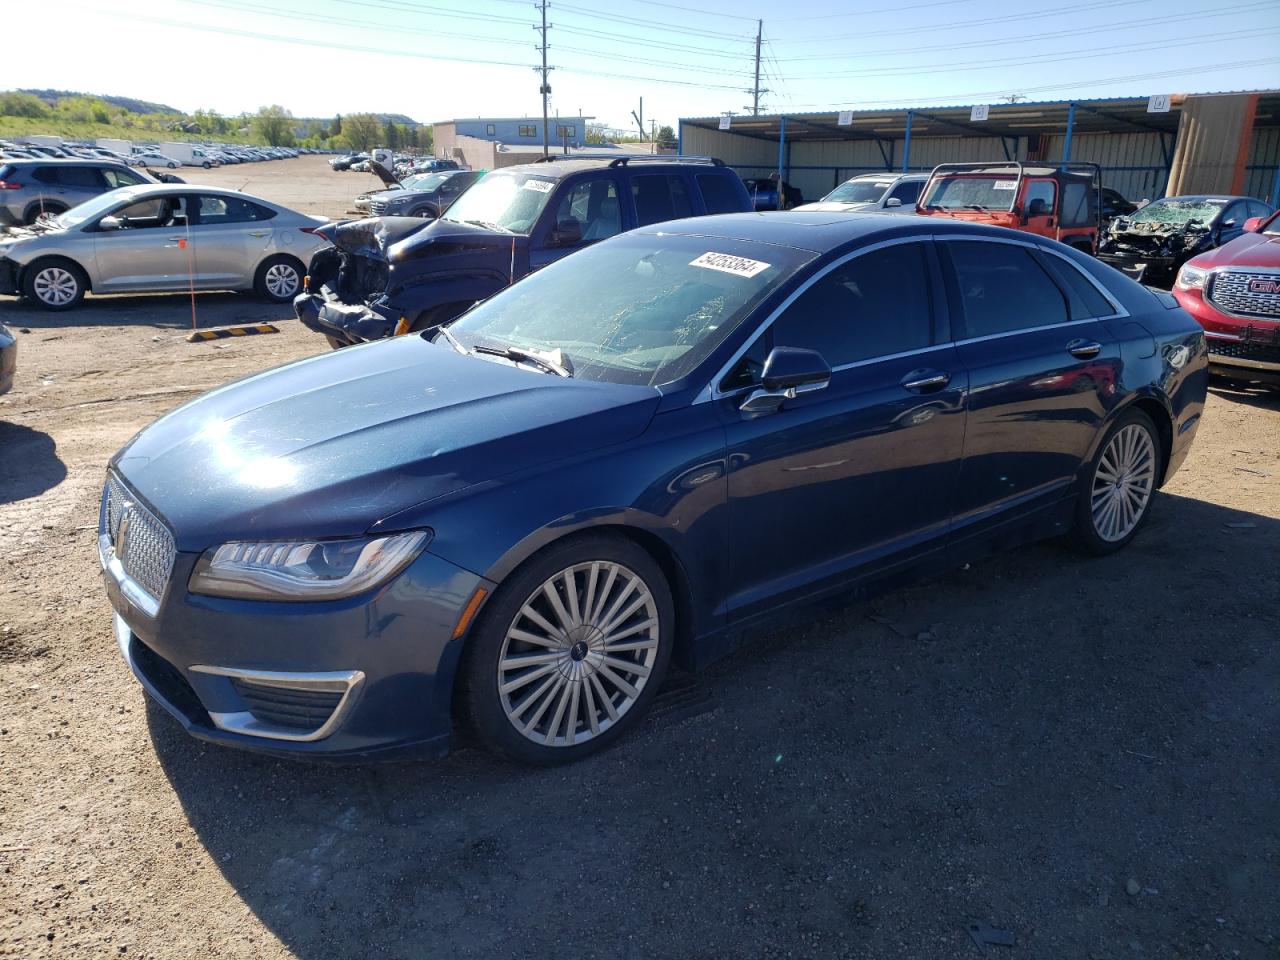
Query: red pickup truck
1234,292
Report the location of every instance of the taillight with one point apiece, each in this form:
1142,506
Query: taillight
9,185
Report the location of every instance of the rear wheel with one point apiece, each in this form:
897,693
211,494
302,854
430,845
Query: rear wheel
278,279
570,651
35,211
1115,493
54,283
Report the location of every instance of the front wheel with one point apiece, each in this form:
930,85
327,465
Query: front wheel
1115,493
54,284
173,165
279,279
570,651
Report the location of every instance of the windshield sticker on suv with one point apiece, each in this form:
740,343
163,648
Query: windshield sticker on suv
727,263
542,186
1005,185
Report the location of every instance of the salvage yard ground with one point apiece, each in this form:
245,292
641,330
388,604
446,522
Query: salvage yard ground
1084,753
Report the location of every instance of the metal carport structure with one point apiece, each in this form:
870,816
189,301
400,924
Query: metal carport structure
1138,150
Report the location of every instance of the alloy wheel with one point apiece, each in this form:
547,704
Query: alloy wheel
1123,482
281,280
55,286
578,653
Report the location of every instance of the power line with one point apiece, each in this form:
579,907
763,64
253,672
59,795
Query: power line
1076,84
960,24
666,27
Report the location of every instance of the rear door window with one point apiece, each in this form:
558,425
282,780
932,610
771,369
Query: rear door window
216,210
47,175
718,194
121,178
1002,289
83,177
1077,205
660,197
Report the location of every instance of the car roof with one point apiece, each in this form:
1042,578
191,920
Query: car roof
889,174
817,231
144,190
562,168
67,161
1204,197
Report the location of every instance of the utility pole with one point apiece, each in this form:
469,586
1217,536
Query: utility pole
640,118
545,89
755,91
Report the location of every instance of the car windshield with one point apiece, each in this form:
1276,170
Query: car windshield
1272,229
972,193
859,191
89,210
1176,211
638,309
509,201
425,181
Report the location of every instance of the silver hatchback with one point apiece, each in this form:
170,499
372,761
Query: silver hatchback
160,238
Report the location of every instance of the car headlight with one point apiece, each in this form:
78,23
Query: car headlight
304,570
1191,278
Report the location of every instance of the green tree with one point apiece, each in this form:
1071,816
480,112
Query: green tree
391,135
16,104
274,124
361,130
84,110
666,137
335,129
210,121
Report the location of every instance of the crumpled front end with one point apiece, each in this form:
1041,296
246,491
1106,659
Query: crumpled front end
1151,252
344,298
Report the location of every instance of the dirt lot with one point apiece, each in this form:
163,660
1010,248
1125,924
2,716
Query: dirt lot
1083,753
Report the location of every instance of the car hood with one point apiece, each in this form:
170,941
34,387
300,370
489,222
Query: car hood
385,175
331,445
1248,250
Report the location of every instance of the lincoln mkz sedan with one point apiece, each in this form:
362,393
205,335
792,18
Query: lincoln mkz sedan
517,520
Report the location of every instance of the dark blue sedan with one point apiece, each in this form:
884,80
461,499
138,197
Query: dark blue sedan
630,456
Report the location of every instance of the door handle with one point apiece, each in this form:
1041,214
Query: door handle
1084,349
925,381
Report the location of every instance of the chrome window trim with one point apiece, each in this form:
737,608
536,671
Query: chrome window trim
1014,333
712,390
244,722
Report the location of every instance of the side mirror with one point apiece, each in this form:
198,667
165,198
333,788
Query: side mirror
110,223
788,372
567,233
1253,224
892,202
1230,224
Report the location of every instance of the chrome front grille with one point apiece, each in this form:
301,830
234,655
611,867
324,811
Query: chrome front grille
1246,293
377,207
139,541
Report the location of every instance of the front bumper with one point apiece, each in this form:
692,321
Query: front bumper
1252,358
1144,269
371,675
9,277
349,323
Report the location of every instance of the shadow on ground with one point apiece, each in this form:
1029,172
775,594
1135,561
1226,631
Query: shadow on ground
860,790
158,310
29,463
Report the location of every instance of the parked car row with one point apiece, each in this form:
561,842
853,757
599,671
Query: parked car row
169,155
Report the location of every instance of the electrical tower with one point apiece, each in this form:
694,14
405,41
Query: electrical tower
755,90
545,89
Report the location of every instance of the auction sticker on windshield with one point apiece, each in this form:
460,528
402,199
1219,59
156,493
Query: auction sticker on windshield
542,186
727,263
1004,185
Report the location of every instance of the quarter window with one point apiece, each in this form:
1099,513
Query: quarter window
1083,299
1077,205
1003,289
874,305
660,197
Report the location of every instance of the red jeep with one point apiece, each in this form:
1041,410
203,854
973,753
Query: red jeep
1234,291
1056,200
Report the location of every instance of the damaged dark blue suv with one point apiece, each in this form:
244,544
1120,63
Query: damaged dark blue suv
390,275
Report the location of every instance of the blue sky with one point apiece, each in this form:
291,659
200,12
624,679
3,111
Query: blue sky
437,59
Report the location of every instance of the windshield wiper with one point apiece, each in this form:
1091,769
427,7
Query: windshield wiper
454,342
976,206
556,362
489,226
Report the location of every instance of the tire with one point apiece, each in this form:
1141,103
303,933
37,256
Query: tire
426,213
1110,512
35,210
272,279
173,165
206,164
54,283
568,699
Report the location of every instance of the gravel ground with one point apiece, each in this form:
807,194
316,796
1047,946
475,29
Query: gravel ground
1083,753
